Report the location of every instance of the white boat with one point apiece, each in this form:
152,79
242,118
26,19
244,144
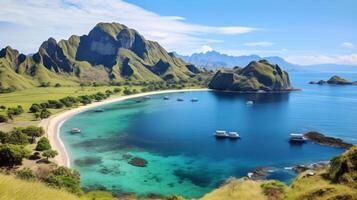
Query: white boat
233,135
249,103
99,110
221,134
179,99
166,98
75,130
194,99
298,138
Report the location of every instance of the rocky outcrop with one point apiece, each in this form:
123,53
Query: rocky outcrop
334,80
256,76
326,140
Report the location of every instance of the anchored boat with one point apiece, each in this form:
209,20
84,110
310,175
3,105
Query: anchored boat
297,138
75,130
179,99
194,99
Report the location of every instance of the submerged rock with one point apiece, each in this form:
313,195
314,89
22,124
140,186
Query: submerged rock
255,76
259,173
138,162
87,161
326,140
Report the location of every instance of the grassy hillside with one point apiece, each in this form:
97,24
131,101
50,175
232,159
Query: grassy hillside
12,188
337,182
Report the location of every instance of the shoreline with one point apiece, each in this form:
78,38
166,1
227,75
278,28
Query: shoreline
53,124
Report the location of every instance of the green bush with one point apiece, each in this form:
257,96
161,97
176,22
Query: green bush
17,137
55,104
45,114
117,90
43,144
3,137
33,132
11,155
58,85
50,154
35,108
25,174
66,178
3,118
14,111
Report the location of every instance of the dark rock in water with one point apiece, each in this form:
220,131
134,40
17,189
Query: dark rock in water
138,162
326,140
313,166
255,76
259,173
88,161
300,168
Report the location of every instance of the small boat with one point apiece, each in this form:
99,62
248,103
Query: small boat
147,97
166,98
233,135
221,134
297,138
249,103
194,99
75,130
179,99
99,110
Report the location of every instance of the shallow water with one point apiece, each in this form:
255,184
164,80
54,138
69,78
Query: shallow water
176,138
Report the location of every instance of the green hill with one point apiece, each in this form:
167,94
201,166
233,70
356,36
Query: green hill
110,52
257,75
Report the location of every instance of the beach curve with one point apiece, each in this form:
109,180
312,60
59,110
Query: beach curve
53,124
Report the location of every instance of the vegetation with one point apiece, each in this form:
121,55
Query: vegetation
11,155
66,178
43,144
26,174
50,154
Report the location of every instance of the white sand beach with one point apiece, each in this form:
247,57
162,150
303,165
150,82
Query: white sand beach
52,124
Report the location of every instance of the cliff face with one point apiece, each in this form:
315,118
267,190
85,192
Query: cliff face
255,76
110,51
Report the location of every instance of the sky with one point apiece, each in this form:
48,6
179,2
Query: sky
302,32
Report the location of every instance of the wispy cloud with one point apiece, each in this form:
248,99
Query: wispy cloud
350,59
259,44
347,45
37,20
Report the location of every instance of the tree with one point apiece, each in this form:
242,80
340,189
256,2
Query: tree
63,177
35,108
43,144
49,154
44,114
17,137
33,132
58,85
11,155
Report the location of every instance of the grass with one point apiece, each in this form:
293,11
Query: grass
27,97
16,189
237,189
12,188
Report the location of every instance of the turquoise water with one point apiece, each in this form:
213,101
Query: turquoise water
183,156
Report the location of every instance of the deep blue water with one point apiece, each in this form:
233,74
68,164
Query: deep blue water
176,138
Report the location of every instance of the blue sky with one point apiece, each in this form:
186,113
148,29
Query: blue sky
304,31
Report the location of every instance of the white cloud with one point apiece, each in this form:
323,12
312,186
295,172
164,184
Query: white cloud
35,21
347,45
259,44
350,59
205,48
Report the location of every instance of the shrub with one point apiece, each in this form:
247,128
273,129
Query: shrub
85,99
45,84
274,189
25,174
33,132
3,118
14,111
17,137
55,104
117,90
127,91
43,144
3,137
11,155
35,156
68,101
49,154
2,107
35,108
63,177
58,85
44,114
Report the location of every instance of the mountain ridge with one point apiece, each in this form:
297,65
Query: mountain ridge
109,52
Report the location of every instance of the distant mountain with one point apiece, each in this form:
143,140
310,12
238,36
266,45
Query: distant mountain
214,59
110,52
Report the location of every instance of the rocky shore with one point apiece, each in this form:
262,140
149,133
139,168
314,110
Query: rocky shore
321,139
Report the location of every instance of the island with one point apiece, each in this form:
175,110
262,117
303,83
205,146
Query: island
334,80
321,139
257,76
